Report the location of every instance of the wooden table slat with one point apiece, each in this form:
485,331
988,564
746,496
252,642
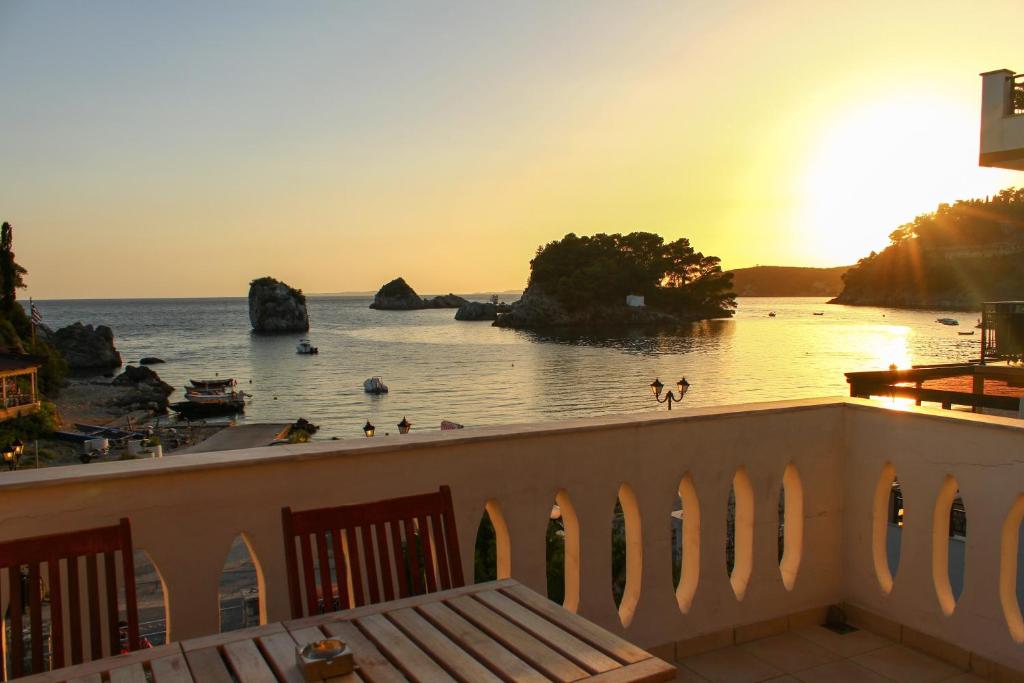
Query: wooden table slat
376,666
608,642
246,660
279,649
569,645
102,666
402,652
462,665
88,678
132,673
469,637
533,651
216,639
173,669
652,670
207,666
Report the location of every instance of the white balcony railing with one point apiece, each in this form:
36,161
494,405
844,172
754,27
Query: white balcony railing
835,458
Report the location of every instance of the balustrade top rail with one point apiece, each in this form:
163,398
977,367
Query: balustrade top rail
830,455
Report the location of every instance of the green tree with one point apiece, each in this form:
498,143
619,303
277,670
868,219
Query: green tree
12,276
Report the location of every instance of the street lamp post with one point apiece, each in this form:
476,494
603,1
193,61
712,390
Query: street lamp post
657,386
368,429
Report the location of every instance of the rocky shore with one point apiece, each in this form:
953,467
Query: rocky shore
909,300
538,310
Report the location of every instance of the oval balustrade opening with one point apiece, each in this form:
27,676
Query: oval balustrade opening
685,528
887,527
1011,569
562,547
150,599
627,554
739,542
492,552
949,533
791,525
239,588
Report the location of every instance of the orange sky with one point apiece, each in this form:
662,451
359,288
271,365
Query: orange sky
181,151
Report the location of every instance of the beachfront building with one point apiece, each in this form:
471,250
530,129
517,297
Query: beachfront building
18,381
728,596
1002,120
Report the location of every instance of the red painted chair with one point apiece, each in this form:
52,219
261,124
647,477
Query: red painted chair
410,541
96,625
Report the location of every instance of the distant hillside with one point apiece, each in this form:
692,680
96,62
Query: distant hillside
954,258
788,281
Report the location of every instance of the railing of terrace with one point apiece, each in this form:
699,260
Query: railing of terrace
834,459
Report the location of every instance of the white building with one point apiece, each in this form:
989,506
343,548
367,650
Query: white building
1002,120
634,300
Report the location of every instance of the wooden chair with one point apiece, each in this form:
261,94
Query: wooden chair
98,617
412,540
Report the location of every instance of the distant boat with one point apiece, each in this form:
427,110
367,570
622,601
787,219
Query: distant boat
947,321
965,333
305,348
979,325
818,314
375,385
771,314
213,383
210,397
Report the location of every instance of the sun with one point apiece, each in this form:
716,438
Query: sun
876,166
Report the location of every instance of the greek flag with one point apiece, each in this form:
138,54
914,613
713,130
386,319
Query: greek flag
37,317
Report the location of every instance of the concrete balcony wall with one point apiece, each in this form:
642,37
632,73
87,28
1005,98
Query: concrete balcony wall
1002,131
186,510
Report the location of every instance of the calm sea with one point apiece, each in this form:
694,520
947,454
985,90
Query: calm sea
475,374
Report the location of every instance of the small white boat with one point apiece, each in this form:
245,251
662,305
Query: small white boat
305,348
375,385
947,321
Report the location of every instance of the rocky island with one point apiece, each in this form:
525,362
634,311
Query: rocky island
397,295
636,279
955,258
276,307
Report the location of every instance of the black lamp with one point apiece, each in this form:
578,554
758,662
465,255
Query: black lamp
656,388
369,429
8,454
404,426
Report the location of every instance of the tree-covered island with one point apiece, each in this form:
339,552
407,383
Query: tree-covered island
584,281
956,257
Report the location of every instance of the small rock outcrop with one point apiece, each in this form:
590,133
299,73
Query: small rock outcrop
475,310
85,347
276,307
151,360
148,391
397,295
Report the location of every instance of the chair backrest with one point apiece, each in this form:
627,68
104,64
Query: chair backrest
82,610
410,541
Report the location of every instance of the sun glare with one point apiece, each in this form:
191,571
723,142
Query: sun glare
876,167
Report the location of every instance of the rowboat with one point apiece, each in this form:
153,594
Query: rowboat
213,383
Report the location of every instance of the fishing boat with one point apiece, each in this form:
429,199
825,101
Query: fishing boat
221,384
375,385
964,334
947,321
771,314
305,348
818,314
206,398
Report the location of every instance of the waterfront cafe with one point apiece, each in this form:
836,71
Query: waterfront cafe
18,385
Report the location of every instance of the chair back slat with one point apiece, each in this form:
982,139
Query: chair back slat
420,556
74,610
326,586
384,558
56,613
355,566
44,585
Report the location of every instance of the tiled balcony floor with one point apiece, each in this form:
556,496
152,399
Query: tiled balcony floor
817,655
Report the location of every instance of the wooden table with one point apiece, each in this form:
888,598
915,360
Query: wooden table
486,632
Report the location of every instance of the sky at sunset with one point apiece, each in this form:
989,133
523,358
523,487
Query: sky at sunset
182,149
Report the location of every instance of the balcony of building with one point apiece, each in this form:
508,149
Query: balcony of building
1002,120
741,525
18,378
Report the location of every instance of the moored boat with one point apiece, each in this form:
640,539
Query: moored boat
947,321
211,397
375,385
213,383
305,348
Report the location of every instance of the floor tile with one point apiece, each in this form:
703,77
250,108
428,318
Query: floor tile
731,665
965,678
846,645
908,666
844,671
684,675
789,652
